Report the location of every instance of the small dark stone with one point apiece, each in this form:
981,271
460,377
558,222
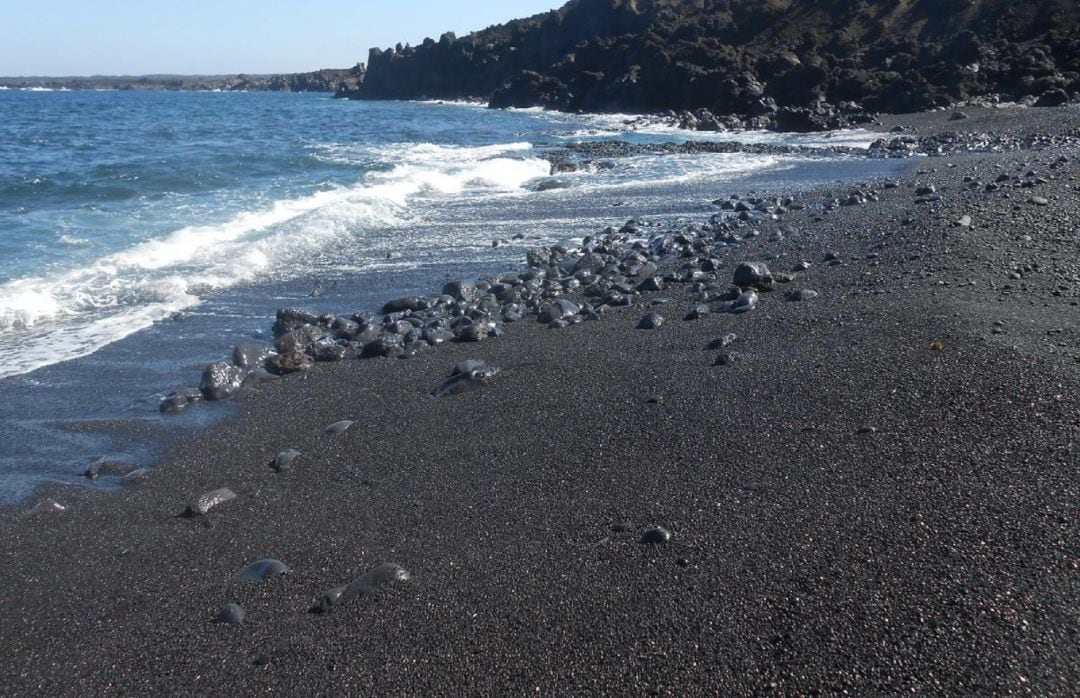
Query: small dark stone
698,311
650,321
466,376
753,274
650,285
726,341
800,294
399,305
284,459
655,535
463,291
231,613
746,302
725,358
293,362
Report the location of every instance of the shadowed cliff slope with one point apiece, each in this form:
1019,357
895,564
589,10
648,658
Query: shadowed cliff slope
747,57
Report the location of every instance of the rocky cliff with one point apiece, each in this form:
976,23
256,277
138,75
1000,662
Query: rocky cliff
804,62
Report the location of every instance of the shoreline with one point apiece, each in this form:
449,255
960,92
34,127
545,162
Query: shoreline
849,508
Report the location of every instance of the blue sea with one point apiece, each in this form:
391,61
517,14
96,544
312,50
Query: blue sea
143,234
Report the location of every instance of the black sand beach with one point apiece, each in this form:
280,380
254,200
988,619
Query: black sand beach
878,495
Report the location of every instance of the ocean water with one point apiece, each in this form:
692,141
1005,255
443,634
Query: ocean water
143,234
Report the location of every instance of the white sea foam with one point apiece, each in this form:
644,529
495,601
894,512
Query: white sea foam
597,125
72,313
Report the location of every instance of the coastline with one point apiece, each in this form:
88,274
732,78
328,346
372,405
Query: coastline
849,508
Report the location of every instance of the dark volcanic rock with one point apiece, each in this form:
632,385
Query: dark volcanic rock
399,305
796,65
753,274
250,355
220,381
294,362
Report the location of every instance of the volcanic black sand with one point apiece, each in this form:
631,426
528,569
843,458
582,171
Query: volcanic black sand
879,495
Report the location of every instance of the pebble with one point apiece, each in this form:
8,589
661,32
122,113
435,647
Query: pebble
800,294
465,376
261,570
46,506
377,579
650,321
205,502
753,274
655,535
698,311
725,358
746,302
726,341
231,613
338,427
284,459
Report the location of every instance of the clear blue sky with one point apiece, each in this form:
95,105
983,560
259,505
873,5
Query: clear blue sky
132,37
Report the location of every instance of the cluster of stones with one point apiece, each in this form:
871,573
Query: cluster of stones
943,144
565,284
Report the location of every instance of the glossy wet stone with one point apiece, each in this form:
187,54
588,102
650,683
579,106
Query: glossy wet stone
207,501
650,321
378,579
797,295
261,570
468,375
220,381
285,459
231,614
338,427
753,274
722,342
746,302
725,358
655,535
46,506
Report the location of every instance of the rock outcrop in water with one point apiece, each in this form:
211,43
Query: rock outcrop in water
792,64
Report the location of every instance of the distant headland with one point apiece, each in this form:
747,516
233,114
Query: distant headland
326,80
794,65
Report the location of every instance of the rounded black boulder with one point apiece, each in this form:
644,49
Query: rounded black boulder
292,362
753,274
220,380
250,355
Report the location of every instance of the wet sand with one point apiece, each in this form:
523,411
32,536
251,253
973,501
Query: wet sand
879,495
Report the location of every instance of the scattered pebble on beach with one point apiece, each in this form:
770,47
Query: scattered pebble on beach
261,570
46,506
207,501
650,321
466,376
338,427
655,535
284,459
230,613
378,579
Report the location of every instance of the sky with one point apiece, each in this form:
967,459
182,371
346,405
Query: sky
139,37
